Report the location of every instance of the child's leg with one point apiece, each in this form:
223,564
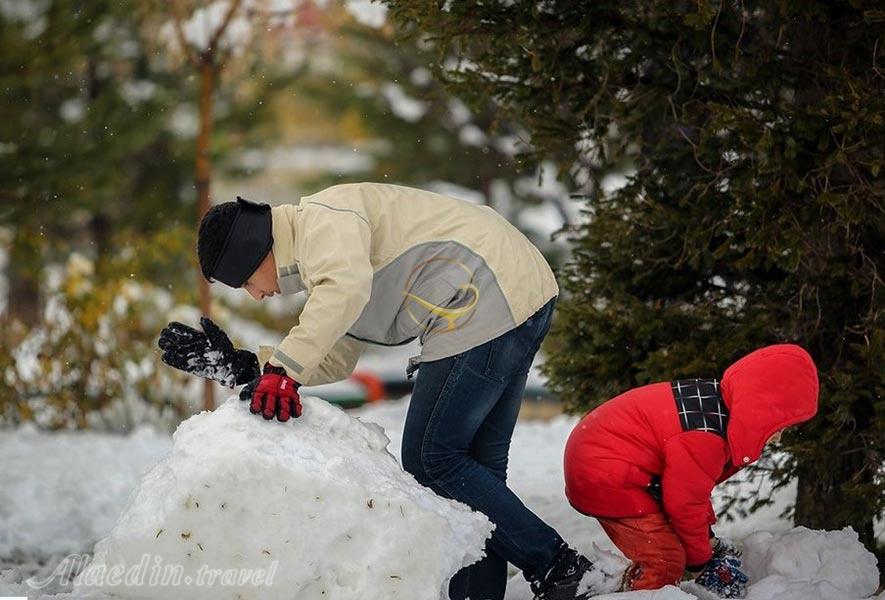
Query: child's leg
651,544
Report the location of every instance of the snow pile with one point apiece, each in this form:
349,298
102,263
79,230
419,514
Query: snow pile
61,492
668,592
607,574
805,564
800,564
316,507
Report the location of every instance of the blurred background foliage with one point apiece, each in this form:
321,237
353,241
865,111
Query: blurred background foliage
99,120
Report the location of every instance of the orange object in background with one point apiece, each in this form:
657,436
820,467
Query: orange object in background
375,390
650,543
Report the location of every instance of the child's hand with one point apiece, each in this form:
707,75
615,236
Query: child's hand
724,577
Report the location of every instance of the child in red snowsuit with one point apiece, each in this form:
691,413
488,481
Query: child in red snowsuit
645,462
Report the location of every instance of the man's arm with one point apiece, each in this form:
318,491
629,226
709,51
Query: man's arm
335,262
338,364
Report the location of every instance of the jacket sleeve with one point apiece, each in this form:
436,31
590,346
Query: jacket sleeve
338,364
693,461
335,264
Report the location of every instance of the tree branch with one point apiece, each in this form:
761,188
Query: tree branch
178,17
234,5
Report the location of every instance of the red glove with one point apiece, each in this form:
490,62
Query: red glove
276,394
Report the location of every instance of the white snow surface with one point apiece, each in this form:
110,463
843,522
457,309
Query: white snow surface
320,496
60,492
804,563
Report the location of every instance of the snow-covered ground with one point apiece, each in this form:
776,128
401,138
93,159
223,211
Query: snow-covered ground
61,493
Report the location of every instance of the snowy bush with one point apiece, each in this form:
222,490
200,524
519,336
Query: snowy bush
92,362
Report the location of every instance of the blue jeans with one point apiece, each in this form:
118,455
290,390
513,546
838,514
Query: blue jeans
456,441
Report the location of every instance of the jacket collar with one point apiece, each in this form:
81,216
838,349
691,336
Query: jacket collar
284,226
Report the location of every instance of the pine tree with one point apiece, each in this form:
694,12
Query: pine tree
86,150
754,206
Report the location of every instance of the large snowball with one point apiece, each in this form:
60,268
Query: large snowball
806,564
317,502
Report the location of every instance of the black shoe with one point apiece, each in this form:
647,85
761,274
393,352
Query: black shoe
563,580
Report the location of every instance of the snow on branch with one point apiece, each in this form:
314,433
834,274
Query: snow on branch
222,27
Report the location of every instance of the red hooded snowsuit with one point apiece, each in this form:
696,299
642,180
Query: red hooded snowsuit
615,450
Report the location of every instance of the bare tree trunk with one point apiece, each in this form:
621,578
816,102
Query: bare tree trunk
100,229
202,179
208,63
25,265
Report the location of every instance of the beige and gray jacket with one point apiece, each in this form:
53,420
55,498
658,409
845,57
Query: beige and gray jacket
385,264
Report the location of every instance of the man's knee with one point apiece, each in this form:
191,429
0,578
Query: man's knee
496,465
430,469
439,465
412,465
499,471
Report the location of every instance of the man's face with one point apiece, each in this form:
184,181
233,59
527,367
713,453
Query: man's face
263,283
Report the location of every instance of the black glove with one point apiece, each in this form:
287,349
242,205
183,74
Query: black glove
208,353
